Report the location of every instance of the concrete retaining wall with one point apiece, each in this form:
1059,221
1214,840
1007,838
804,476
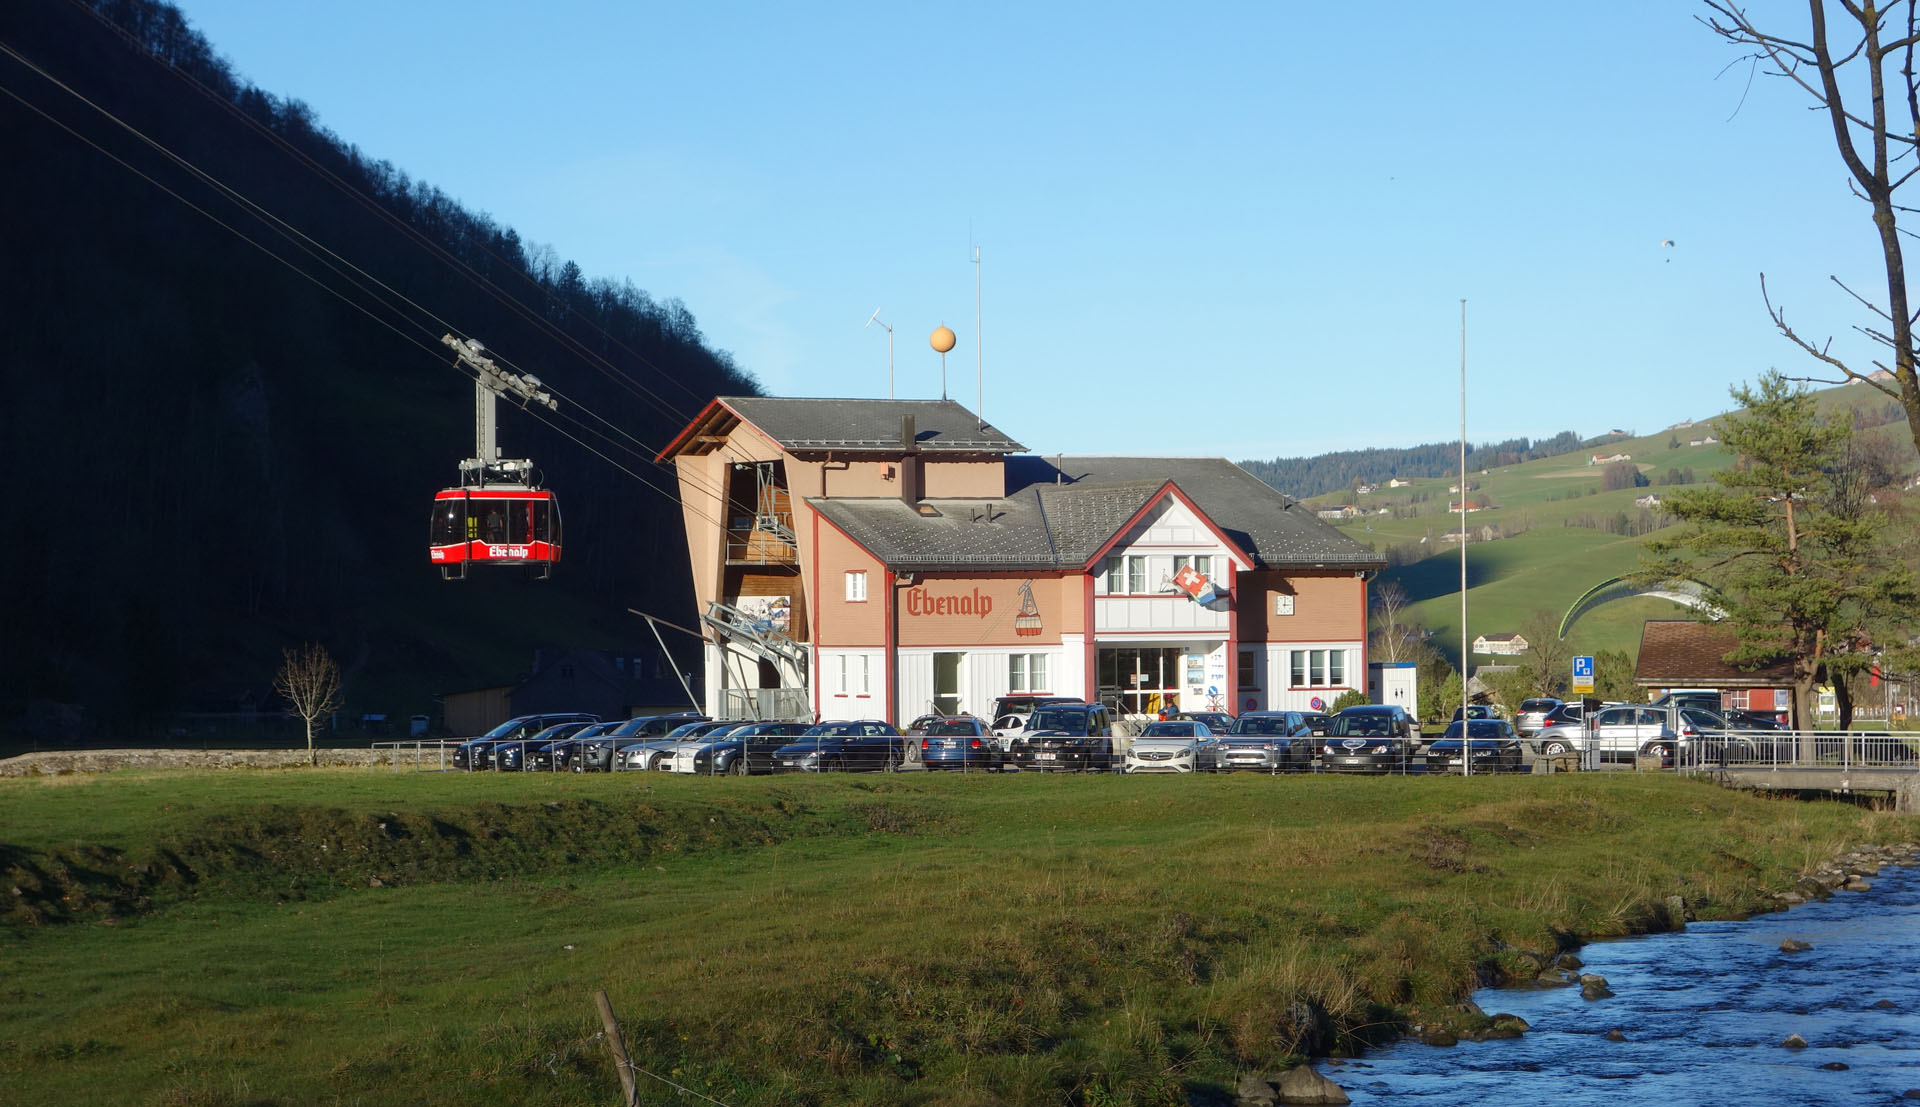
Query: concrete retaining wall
54,763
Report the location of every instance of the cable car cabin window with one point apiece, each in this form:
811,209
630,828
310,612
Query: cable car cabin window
448,525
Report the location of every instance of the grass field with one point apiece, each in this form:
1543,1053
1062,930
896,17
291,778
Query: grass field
218,938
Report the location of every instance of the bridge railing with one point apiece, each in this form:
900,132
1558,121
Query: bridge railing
1829,749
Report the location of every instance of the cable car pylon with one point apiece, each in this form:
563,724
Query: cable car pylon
499,514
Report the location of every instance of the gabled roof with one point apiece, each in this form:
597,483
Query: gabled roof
803,424
1682,652
1062,525
1274,529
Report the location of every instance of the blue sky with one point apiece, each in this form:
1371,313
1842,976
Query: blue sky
1238,230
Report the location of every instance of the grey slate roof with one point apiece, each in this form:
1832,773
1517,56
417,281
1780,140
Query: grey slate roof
1043,524
1272,527
841,424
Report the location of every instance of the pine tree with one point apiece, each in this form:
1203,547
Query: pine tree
1794,579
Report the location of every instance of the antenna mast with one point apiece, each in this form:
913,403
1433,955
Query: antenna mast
871,320
979,387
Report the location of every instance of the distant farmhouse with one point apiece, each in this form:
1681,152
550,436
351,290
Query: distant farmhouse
1499,643
1596,459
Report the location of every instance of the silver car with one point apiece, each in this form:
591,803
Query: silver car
1174,747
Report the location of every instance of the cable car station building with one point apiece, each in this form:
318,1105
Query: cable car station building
891,558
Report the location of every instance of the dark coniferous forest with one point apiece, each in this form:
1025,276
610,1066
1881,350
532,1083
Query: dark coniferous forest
223,437
1330,472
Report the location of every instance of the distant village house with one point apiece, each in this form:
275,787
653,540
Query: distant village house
1499,643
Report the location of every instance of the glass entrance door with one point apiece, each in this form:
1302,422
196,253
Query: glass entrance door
947,669
1142,680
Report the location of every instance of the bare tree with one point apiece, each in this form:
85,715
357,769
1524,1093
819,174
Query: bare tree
1878,70
310,682
1549,660
1394,633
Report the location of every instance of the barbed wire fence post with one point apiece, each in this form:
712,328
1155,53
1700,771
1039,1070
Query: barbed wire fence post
621,1062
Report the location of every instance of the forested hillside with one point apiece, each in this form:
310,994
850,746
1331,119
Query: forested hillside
1315,476
224,424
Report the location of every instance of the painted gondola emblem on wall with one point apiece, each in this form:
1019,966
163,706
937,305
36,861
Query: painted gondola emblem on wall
1027,622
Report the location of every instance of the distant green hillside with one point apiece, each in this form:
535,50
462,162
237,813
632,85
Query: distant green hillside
1550,529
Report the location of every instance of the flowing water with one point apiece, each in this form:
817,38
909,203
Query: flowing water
1704,1012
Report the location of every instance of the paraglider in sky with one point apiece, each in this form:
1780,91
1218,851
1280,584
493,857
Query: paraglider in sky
1667,244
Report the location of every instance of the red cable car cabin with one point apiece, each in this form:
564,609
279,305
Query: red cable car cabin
495,525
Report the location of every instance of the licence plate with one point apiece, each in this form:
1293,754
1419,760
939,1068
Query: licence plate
1046,757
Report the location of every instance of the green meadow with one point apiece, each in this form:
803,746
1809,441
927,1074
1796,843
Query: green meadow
343,937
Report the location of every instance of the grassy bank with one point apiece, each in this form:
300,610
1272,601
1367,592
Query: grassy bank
779,941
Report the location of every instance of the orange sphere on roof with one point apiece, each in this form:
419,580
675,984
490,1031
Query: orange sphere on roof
941,339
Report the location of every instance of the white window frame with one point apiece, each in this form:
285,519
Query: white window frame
1027,673
1127,575
1317,668
1202,564
856,586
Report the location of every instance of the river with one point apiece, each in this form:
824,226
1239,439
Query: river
1704,1012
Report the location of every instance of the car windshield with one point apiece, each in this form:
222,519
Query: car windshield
1260,724
952,726
829,730
1369,725
504,729
1171,730
1479,729
1539,705
1055,718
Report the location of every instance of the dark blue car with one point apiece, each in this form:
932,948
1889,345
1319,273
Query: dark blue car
477,753
960,742
863,745
1489,746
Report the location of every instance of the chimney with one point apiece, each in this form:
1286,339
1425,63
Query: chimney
909,461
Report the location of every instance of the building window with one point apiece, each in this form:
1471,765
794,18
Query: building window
857,586
853,674
1127,575
1027,672
1202,564
1319,668
1249,675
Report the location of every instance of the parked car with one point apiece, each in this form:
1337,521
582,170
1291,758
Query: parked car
960,742
1488,746
861,745
477,753
747,748
595,753
1173,746
1269,742
1533,714
543,752
1012,715
1317,721
513,756
649,754
1557,738
1217,721
1570,712
1626,731
1690,697
1377,738
1067,737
